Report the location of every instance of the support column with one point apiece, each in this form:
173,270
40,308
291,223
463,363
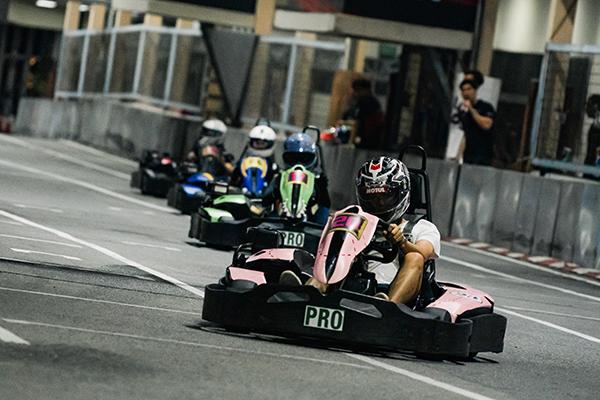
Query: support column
259,75
150,58
360,53
123,18
301,95
485,49
71,21
562,19
97,17
153,20
182,61
263,17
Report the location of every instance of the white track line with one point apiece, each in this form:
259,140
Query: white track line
527,281
100,153
68,158
9,337
54,210
523,263
64,296
16,141
151,246
10,223
86,164
26,251
106,252
551,325
193,344
41,240
424,379
86,185
533,310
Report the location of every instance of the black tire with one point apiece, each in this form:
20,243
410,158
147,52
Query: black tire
144,184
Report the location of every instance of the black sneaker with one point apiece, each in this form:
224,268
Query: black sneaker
289,278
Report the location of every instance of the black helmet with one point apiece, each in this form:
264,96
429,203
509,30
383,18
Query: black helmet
383,188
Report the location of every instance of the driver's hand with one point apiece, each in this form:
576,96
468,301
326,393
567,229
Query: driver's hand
394,235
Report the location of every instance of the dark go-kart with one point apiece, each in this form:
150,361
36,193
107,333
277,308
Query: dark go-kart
155,175
225,222
446,320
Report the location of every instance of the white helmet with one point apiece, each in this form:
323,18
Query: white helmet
213,127
262,141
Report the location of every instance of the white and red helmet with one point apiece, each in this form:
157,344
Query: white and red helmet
383,188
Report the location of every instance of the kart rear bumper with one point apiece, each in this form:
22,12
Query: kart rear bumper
230,233
233,232
177,198
154,183
367,321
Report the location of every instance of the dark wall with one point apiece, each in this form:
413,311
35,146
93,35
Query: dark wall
235,5
519,74
451,14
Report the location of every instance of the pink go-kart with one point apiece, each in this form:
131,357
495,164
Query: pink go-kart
446,321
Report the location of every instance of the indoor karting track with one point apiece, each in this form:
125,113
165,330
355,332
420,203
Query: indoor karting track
101,293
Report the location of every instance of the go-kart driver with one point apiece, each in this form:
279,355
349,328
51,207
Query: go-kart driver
261,143
300,149
383,189
209,144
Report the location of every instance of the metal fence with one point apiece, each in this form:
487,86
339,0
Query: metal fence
291,81
566,126
160,65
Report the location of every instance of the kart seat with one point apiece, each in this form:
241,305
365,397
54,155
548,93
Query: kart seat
419,201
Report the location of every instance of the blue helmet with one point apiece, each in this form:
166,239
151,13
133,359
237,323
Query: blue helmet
300,148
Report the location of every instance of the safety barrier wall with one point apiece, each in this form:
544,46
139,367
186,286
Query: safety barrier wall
521,212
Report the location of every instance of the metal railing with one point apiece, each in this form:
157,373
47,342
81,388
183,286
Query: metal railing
160,65
562,134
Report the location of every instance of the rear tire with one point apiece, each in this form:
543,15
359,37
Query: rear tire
144,184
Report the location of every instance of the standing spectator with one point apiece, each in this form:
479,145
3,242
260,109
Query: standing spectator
367,116
477,120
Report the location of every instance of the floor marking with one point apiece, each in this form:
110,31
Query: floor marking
100,153
86,164
71,159
16,141
41,240
10,222
151,245
115,208
54,210
64,296
424,379
9,337
106,252
193,344
515,278
551,325
45,254
87,186
523,263
552,313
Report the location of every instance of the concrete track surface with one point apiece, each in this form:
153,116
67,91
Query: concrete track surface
101,294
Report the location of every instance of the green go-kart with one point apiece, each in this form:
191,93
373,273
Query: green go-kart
224,223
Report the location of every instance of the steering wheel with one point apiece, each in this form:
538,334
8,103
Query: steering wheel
388,252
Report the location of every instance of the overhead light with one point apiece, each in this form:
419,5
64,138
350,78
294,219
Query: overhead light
45,3
84,8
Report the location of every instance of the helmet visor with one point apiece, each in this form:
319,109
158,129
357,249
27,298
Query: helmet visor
379,199
306,159
260,144
211,132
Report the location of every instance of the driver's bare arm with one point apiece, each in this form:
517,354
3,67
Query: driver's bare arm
423,247
229,167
